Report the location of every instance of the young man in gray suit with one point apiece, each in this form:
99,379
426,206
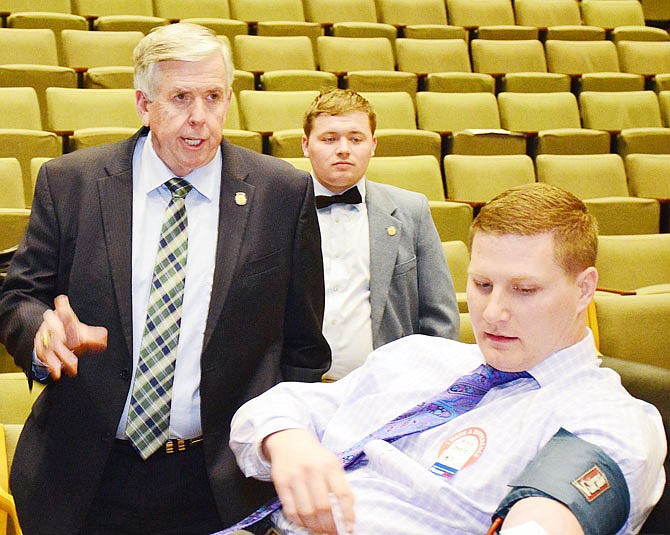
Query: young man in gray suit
385,271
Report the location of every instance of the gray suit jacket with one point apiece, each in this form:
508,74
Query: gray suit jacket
411,291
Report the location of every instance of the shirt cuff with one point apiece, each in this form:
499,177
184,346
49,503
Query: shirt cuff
39,369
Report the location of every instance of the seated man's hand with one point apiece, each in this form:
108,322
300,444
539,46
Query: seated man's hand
62,338
306,477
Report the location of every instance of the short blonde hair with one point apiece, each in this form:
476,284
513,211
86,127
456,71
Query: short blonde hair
338,102
180,42
539,208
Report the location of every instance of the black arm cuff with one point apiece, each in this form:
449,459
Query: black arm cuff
581,476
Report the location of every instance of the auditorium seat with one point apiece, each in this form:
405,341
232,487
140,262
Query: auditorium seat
422,174
258,54
88,117
327,12
552,123
441,65
120,15
400,13
477,179
28,58
594,65
22,135
489,19
649,176
233,131
519,64
275,18
600,181
364,64
458,260
11,184
397,134
13,223
469,123
175,10
9,521
634,264
634,117
623,18
635,327
365,29
56,22
556,19
103,60
277,116
651,59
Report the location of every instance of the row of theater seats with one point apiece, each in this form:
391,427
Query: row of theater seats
314,15
627,196
554,63
434,124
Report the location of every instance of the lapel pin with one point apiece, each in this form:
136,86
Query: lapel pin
240,198
391,231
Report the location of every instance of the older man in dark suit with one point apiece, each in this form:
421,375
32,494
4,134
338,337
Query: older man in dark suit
193,269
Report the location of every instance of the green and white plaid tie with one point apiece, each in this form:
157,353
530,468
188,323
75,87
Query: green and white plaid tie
149,414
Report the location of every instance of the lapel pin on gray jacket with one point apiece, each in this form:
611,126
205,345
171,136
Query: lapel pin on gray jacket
391,231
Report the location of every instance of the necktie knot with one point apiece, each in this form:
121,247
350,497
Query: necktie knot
493,377
351,196
179,187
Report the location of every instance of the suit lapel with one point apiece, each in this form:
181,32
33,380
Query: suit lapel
235,204
384,244
116,207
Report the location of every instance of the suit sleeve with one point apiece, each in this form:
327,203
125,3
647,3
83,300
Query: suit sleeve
306,354
438,308
32,280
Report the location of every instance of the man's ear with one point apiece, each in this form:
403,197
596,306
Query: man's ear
587,282
142,106
305,146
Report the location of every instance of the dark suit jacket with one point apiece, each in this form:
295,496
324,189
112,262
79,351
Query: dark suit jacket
264,322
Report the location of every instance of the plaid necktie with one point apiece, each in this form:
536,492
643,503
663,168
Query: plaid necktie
149,414
458,399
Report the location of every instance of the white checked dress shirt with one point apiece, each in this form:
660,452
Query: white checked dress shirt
395,492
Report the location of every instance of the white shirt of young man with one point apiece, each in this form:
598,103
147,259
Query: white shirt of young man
150,199
395,491
345,245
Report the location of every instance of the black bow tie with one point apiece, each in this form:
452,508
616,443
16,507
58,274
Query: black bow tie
351,196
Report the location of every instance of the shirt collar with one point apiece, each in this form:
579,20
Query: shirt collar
566,361
154,173
320,189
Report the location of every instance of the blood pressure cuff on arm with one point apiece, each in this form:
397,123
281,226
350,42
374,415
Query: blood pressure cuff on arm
581,476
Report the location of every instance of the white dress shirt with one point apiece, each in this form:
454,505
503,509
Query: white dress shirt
345,244
150,199
395,491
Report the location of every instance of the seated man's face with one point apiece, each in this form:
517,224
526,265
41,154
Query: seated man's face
523,305
339,148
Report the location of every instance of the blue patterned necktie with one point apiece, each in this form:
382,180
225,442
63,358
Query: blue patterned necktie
459,398
148,422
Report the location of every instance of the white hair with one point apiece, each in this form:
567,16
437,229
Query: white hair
179,42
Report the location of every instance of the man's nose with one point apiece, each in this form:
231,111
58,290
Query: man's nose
197,111
497,307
